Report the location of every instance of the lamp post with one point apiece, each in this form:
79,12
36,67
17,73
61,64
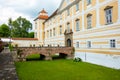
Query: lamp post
10,25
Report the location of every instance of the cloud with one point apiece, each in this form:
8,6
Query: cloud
25,8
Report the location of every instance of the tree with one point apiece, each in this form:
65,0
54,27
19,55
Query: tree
20,27
4,30
31,35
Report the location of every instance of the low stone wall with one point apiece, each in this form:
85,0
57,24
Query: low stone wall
46,51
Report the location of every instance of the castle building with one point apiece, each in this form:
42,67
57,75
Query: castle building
91,26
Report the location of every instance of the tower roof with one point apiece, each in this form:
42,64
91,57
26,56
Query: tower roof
43,11
42,15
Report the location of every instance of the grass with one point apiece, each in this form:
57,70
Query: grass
33,57
64,70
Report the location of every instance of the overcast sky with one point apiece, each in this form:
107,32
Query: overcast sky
26,8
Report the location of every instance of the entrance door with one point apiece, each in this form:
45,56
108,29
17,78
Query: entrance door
68,43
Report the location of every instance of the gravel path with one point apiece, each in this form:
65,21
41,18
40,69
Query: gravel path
7,68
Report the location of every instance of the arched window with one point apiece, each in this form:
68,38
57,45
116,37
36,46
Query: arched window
68,43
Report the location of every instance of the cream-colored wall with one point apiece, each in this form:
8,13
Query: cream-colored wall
114,13
25,43
93,19
56,23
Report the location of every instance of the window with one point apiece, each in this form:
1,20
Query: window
50,33
68,27
35,25
68,12
89,21
88,2
60,30
54,32
108,15
77,25
113,43
77,6
77,45
35,34
60,17
68,1
88,44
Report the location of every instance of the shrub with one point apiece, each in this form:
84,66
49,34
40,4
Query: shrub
77,59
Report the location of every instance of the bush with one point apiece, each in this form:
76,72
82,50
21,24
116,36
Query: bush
77,59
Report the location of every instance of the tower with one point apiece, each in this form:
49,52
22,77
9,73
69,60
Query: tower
39,27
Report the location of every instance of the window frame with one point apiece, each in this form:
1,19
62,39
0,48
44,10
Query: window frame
77,7
89,21
112,43
77,25
68,12
108,17
88,2
68,27
54,30
89,44
60,30
77,45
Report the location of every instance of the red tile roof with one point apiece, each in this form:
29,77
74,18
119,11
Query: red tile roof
43,11
43,17
24,39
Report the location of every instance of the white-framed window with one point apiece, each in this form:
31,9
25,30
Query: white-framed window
77,6
78,25
88,2
108,15
89,21
50,33
60,17
35,25
112,43
68,27
54,32
68,1
77,44
35,34
68,12
88,44
60,30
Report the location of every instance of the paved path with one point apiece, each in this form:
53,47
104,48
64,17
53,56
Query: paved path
7,68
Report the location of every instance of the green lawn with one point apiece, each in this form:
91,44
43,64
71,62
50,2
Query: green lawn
64,70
